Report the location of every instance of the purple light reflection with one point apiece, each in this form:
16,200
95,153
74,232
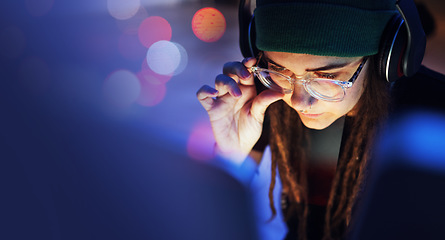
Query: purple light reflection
201,142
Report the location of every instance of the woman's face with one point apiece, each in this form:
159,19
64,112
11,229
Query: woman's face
315,113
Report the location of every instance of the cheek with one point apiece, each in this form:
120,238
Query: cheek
334,109
353,94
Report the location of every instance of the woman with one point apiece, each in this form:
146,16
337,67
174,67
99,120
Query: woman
319,62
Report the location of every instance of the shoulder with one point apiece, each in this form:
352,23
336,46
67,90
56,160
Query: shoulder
425,90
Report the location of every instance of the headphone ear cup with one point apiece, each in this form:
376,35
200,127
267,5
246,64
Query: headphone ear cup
392,49
244,18
252,38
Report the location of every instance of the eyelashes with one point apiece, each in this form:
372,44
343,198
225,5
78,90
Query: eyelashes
326,75
276,68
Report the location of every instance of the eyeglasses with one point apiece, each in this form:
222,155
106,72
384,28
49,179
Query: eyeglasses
322,86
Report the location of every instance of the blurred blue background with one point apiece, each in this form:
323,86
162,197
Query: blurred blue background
92,55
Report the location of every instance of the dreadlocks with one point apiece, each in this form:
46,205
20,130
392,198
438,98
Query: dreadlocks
288,143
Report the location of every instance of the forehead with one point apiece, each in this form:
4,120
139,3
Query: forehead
292,60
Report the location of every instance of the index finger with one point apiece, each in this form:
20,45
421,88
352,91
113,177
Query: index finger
240,71
248,63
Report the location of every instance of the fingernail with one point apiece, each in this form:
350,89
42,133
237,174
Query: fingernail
238,93
245,74
247,59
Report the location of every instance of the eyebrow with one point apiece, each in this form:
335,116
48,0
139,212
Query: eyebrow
323,68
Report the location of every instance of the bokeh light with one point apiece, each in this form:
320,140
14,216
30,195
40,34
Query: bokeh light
152,90
200,144
121,88
183,59
34,75
154,29
132,24
146,70
130,47
38,8
163,57
13,42
123,9
209,24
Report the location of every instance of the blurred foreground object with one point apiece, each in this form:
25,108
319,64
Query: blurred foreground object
70,172
406,197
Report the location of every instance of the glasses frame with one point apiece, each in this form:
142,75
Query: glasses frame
343,84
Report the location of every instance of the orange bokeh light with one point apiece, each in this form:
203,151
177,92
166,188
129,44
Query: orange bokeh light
209,24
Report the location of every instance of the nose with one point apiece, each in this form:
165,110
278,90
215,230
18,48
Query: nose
301,99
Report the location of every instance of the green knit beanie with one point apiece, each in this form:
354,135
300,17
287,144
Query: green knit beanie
342,28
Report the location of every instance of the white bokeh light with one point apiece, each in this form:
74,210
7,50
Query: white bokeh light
183,61
123,9
121,88
163,57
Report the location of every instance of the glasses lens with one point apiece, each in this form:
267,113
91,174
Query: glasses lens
326,89
275,81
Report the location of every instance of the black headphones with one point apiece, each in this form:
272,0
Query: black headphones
401,48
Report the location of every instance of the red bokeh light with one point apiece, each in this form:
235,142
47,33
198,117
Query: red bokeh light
209,24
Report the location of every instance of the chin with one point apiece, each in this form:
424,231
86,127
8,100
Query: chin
317,124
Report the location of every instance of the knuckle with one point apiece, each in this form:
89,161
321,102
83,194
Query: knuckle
204,92
201,91
223,79
232,67
220,79
229,65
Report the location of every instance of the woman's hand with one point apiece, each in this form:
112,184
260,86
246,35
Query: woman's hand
235,110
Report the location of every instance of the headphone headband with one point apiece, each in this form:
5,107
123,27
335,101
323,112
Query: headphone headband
416,40
401,49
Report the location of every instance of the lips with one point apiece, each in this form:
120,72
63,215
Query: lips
311,115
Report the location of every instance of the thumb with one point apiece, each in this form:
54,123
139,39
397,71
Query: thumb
262,101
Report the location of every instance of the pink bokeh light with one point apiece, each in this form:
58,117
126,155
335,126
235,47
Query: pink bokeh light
153,90
154,29
201,142
209,24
